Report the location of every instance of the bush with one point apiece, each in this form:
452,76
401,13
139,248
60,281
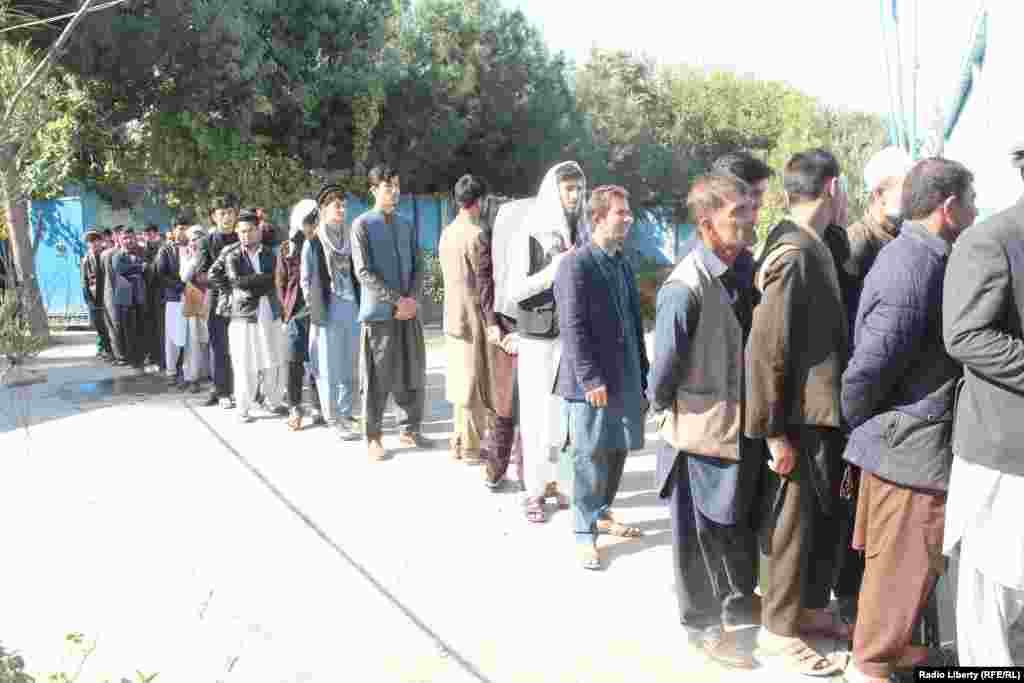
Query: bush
433,279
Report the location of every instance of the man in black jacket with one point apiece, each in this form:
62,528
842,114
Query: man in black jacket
225,215
255,334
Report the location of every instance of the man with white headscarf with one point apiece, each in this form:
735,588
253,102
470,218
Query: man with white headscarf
553,228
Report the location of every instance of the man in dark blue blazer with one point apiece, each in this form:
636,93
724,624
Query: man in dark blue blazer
603,368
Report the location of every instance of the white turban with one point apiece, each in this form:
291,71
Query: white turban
300,212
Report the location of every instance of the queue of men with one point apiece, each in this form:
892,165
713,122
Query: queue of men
805,397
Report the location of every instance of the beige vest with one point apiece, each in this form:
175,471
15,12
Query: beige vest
706,417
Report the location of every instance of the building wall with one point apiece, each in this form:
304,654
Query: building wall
60,223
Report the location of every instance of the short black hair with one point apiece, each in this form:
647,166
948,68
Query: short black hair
807,173
568,171
107,232
151,227
225,201
930,183
469,189
184,217
118,229
742,165
381,173
249,216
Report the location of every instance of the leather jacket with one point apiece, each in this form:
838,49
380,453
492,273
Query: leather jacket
248,286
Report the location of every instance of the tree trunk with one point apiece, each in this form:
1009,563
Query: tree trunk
22,254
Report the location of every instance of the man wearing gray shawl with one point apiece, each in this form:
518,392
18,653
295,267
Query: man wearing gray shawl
392,352
332,292
554,226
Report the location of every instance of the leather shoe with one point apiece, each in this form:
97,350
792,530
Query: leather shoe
720,646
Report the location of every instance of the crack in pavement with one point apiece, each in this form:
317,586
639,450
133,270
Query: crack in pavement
443,647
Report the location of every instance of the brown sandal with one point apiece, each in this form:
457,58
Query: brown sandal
607,525
294,422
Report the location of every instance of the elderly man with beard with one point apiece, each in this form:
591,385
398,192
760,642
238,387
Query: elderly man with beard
332,292
795,357
602,372
225,216
255,330
706,470
883,177
392,350
553,229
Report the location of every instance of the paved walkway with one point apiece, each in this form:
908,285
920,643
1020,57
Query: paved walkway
206,550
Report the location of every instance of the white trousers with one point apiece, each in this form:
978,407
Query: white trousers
540,412
989,618
255,347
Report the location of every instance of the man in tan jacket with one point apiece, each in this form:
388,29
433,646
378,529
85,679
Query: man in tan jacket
467,385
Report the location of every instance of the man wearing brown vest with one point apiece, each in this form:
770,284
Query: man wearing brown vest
795,358
696,386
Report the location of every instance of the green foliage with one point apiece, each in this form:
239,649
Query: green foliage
433,277
12,667
17,342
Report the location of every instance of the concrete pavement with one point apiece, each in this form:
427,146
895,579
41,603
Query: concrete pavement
206,550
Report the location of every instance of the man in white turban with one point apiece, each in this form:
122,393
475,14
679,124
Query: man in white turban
551,231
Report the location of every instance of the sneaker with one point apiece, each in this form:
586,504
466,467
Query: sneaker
193,387
348,429
245,418
227,403
211,400
375,449
415,440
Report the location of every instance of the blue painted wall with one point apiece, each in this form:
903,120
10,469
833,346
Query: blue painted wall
59,225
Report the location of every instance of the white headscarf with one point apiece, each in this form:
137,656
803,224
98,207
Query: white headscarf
545,222
299,213
547,217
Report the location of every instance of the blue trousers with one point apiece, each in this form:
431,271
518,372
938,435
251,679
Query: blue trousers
595,474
